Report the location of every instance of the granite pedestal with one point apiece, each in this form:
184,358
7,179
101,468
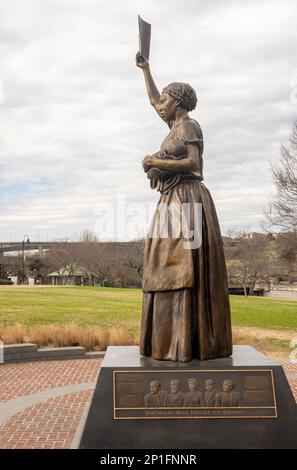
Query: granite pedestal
243,401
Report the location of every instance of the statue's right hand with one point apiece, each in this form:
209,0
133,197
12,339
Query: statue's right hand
141,61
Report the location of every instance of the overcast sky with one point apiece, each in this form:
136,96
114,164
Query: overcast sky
75,121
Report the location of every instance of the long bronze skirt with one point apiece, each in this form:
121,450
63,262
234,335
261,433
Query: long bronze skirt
185,310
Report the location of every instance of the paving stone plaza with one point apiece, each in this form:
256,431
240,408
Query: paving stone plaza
43,405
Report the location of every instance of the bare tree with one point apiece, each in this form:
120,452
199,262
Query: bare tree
286,256
249,258
88,236
282,210
134,258
96,258
104,263
64,259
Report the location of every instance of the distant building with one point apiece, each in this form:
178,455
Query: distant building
69,276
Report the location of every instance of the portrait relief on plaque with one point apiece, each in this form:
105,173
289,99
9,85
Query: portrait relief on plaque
194,394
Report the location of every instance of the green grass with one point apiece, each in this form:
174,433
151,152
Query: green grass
264,313
107,307
84,306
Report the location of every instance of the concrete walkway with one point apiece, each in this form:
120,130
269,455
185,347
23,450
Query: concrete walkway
43,405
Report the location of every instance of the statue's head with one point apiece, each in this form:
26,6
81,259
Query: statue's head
209,385
228,385
193,384
177,94
175,385
155,386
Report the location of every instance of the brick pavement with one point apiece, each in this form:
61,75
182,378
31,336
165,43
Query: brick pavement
48,425
26,378
52,422
291,373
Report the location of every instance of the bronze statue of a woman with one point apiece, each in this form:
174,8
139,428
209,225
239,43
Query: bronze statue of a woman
185,311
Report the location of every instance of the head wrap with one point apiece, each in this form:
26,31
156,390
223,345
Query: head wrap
184,93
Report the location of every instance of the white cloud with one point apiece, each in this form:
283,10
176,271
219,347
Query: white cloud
75,122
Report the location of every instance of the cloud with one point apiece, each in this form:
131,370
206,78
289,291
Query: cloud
75,121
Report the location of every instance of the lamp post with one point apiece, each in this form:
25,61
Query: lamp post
25,240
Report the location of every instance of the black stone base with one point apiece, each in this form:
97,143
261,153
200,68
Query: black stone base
259,412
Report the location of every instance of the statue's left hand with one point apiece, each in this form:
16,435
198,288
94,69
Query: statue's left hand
141,61
147,162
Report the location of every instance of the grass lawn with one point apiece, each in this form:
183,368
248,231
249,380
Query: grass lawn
107,307
84,306
264,313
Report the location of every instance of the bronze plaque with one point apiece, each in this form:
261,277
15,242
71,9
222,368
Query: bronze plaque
194,394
